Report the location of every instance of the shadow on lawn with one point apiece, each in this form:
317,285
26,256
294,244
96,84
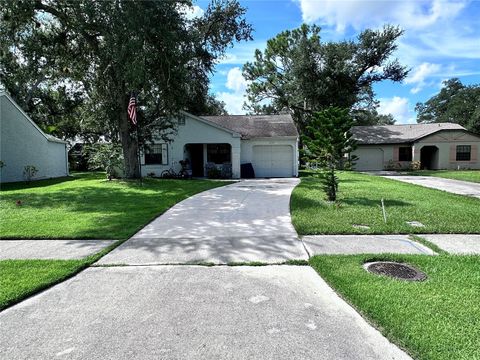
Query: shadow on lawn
362,201
22,185
115,209
306,202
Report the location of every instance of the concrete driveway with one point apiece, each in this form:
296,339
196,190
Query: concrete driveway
190,312
453,186
242,222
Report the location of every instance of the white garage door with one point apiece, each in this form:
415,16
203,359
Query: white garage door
369,159
272,160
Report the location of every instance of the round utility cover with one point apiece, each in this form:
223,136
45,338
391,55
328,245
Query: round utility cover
395,270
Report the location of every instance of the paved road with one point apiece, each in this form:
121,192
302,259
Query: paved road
242,222
190,312
449,185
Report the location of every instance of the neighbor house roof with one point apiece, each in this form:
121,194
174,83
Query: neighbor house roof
396,134
47,136
257,126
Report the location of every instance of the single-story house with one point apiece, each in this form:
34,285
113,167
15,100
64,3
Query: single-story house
436,146
268,142
23,143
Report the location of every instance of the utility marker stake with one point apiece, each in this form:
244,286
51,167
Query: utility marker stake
384,213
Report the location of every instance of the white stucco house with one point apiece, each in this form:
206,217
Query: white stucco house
268,142
436,146
23,143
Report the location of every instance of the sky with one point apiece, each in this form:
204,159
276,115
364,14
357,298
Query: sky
441,41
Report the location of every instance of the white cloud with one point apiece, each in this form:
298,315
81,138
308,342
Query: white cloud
399,108
242,53
191,12
234,100
236,81
412,14
420,74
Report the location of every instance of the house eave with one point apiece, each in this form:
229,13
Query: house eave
212,124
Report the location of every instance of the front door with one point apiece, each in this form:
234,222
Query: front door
196,156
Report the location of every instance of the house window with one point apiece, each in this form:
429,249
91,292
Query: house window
154,154
218,153
405,153
463,152
181,121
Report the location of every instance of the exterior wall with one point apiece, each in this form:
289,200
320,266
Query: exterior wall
446,142
195,132
22,143
390,157
247,149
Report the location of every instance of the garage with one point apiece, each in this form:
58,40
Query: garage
273,160
369,159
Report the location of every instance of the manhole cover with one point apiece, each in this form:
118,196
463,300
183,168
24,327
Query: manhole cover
395,270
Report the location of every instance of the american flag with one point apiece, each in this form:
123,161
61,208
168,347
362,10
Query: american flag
132,110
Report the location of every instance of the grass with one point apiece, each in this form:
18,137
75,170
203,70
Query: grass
465,175
86,206
22,278
359,202
438,319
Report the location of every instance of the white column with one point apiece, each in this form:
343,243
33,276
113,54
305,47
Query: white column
235,161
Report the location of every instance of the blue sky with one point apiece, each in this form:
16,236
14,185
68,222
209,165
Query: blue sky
441,41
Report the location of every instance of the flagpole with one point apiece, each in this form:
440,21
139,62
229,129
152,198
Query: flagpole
138,147
139,158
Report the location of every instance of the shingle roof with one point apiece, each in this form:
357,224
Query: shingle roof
395,134
256,126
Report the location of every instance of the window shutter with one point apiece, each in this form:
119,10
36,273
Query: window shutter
453,153
164,154
474,154
395,153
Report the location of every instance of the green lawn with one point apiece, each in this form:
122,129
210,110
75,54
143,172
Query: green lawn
465,175
86,206
438,319
21,278
360,204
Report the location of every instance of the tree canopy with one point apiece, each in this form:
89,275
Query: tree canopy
93,54
299,73
456,103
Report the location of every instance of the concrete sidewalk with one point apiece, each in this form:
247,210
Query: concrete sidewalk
242,222
363,244
449,185
190,312
51,249
455,243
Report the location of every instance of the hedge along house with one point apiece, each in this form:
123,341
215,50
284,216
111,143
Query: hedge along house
268,142
435,146
23,143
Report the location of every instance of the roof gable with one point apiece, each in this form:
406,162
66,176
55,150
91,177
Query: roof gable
46,136
397,134
257,126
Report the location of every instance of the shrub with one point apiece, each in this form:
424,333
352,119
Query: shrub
29,172
415,165
108,157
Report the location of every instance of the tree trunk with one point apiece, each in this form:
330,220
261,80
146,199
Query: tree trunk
128,141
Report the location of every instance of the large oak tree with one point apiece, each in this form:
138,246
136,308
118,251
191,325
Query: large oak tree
455,103
299,73
100,52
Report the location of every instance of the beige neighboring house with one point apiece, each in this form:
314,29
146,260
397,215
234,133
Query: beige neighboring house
23,143
436,146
